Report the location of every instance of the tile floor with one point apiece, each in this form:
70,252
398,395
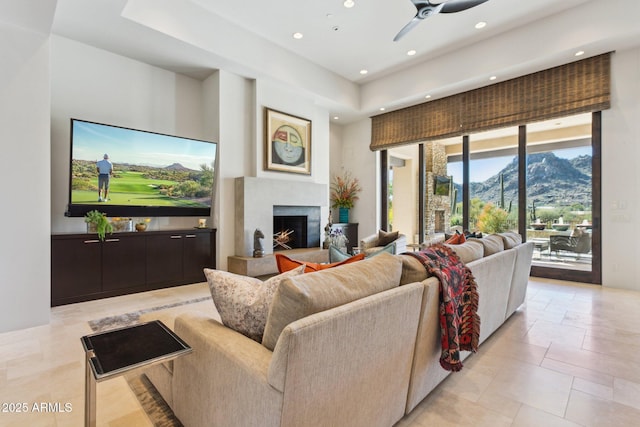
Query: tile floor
569,357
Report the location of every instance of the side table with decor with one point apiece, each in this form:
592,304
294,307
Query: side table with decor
350,231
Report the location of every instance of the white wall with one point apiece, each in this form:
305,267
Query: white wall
92,84
24,168
363,164
405,200
621,174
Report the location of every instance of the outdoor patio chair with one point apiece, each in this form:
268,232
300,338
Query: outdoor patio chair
579,244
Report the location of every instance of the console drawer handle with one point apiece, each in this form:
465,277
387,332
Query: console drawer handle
92,241
176,237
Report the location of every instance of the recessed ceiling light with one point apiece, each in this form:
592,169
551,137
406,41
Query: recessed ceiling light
427,96
297,36
493,77
480,25
349,3
411,52
336,118
580,53
381,108
363,72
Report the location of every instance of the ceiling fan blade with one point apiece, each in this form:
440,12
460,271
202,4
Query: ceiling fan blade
460,5
415,21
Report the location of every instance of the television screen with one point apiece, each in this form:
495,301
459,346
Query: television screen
441,185
128,172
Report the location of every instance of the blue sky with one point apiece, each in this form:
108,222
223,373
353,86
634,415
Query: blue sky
483,169
91,141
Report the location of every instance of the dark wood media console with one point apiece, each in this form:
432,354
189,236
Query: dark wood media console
83,268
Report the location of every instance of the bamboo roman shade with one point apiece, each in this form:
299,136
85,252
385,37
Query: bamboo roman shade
579,87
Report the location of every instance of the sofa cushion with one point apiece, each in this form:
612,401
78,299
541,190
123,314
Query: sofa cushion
412,270
303,295
492,244
468,251
511,239
336,255
384,237
243,302
285,263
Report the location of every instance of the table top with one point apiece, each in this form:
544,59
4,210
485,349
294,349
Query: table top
115,352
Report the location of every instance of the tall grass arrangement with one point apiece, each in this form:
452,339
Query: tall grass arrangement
344,191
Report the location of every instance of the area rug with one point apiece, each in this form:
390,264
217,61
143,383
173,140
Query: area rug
156,408
128,319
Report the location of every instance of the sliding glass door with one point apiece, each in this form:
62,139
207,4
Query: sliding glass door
541,180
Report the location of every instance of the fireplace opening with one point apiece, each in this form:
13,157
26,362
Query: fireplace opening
301,224
290,232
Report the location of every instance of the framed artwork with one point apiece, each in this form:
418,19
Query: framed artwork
288,142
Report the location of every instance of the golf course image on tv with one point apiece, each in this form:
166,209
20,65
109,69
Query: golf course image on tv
169,175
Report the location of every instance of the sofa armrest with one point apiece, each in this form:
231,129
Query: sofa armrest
224,380
369,241
400,244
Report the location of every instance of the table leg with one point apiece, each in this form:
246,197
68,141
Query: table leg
89,396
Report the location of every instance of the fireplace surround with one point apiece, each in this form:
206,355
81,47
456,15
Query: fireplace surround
256,199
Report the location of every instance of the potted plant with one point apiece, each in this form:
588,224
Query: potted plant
99,222
141,224
344,192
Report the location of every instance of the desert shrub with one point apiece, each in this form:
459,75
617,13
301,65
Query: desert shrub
492,219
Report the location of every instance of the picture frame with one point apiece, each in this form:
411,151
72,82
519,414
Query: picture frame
441,185
287,142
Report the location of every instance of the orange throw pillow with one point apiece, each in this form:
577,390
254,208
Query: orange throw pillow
456,239
285,263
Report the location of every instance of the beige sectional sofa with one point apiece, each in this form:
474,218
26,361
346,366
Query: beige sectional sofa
358,359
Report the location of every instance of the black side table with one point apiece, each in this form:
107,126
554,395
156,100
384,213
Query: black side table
119,351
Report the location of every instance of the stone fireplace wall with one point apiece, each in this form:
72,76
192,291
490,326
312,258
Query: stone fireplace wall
255,199
435,165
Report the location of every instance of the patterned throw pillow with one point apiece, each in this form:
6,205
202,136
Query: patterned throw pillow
243,302
285,263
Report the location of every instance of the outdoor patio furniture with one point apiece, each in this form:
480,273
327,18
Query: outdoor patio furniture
578,244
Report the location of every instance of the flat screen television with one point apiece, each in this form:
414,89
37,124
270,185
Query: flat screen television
441,185
152,174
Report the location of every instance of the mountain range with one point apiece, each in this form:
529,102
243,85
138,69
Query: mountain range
551,181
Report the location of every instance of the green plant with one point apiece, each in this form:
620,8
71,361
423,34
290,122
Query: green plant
100,222
492,219
344,191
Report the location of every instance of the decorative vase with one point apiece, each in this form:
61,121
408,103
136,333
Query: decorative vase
343,215
141,227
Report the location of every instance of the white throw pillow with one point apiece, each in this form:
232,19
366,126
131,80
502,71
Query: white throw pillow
243,302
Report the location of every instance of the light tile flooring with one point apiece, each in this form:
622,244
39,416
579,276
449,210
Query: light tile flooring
569,357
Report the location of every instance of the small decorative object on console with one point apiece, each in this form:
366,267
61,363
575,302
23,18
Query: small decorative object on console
121,224
258,250
142,223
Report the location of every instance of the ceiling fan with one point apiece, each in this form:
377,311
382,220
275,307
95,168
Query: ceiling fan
426,9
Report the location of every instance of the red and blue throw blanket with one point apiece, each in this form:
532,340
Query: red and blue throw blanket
459,320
